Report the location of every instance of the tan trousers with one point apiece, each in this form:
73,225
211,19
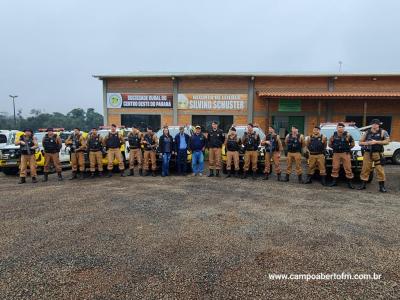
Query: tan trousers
345,159
96,158
232,156
25,160
214,158
150,156
115,153
367,166
250,157
50,158
275,159
294,157
316,161
78,161
135,155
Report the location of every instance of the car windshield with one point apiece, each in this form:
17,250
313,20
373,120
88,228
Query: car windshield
39,136
173,131
11,138
354,132
241,130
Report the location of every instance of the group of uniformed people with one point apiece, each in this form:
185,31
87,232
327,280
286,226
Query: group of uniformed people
315,145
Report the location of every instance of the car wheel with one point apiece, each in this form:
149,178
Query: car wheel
396,157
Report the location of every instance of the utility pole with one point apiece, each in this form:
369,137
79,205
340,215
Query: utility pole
15,119
340,66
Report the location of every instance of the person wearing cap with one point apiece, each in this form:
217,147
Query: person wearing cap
341,143
181,149
273,149
113,142
52,144
215,140
77,145
373,141
150,142
295,143
197,144
135,151
28,145
232,147
250,141
316,146
95,148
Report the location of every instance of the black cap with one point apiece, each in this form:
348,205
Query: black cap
50,129
340,124
317,127
375,121
77,128
233,129
28,129
214,122
94,128
250,124
150,128
294,126
113,125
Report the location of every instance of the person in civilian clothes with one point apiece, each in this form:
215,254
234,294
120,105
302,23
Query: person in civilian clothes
166,146
197,145
181,148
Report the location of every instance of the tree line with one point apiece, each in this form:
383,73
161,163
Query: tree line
77,117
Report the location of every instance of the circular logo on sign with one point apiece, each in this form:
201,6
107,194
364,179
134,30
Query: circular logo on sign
114,100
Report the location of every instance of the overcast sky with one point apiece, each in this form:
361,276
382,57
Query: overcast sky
49,49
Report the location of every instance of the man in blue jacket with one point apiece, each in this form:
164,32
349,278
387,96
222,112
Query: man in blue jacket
181,148
197,144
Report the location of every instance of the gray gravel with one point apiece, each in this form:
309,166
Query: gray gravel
193,238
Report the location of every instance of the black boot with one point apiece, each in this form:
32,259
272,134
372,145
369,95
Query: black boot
382,188
229,174
244,175
60,178
153,173
81,176
323,180
333,183
363,186
73,176
100,174
266,176
45,177
236,174
300,178
278,176
140,172
217,173
122,173
109,174
21,180
308,180
253,175
34,180
131,172
211,173
286,179
92,175
350,184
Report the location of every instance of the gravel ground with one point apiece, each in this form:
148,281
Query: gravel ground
193,238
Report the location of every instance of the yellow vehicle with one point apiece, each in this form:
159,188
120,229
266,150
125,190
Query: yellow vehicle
10,155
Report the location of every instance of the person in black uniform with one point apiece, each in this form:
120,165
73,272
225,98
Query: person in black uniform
215,140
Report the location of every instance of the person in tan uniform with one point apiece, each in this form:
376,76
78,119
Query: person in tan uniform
52,144
150,142
135,150
113,142
215,140
341,143
232,146
316,147
294,142
273,149
77,145
250,141
373,141
95,148
28,145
